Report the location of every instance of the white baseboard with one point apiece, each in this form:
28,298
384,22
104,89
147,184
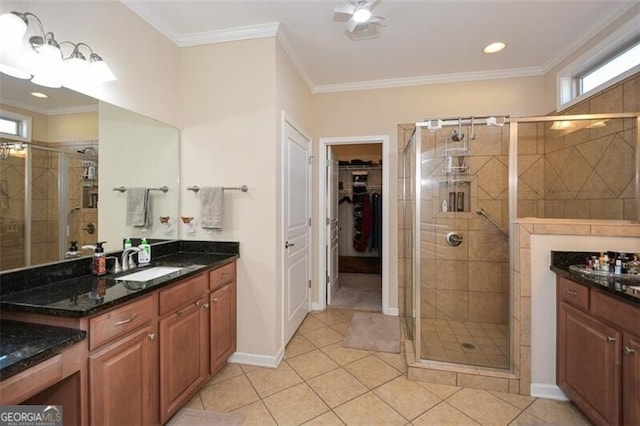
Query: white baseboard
541,390
317,307
394,312
255,359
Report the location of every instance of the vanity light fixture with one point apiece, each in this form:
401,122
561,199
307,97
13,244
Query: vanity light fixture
494,47
42,59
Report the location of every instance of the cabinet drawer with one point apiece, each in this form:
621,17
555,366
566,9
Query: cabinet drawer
222,275
16,389
120,321
573,293
181,294
621,314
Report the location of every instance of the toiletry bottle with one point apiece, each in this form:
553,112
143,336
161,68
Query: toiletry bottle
127,243
444,205
99,261
145,255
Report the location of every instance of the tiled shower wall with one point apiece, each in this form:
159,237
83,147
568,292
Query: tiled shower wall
583,174
469,282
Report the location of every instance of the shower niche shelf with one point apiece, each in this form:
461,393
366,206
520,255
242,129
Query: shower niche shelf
455,196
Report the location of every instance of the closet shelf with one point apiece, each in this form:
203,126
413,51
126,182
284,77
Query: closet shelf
361,167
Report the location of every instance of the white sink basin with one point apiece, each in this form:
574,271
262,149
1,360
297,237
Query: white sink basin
149,274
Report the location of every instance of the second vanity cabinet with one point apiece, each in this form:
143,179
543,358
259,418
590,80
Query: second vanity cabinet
598,356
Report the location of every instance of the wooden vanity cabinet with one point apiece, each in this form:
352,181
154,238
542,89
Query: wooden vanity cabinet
184,340
123,365
222,300
597,361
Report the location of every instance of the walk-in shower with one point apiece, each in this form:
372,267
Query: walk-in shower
454,243
45,201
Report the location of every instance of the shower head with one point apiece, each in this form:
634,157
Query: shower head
87,150
456,135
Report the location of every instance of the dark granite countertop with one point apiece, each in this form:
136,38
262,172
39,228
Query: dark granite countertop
23,345
87,294
625,288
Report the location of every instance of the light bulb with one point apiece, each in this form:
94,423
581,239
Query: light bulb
361,15
12,28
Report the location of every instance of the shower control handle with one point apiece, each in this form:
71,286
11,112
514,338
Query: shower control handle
90,228
454,239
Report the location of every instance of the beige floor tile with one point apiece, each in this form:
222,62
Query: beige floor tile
312,364
246,368
268,381
256,414
330,316
369,409
228,395
343,355
327,419
310,323
372,371
526,420
341,327
483,407
556,412
298,345
323,336
519,401
227,372
337,387
195,402
295,405
443,391
444,414
407,397
397,361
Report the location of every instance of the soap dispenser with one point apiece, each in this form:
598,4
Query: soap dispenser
99,261
144,256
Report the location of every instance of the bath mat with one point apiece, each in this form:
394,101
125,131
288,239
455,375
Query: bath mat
194,417
374,332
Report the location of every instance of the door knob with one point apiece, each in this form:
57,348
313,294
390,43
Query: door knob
288,244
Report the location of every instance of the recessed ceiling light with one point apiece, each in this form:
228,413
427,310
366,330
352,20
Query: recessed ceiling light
39,95
494,47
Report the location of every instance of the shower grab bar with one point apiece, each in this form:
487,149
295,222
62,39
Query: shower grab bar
123,189
481,212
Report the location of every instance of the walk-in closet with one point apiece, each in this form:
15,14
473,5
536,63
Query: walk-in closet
360,227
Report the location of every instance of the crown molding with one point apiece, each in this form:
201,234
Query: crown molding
53,111
283,40
233,34
429,79
608,19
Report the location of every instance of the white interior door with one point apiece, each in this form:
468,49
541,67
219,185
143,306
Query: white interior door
333,229
297,233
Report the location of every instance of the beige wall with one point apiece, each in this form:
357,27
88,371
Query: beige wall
39,122
228,139
73,127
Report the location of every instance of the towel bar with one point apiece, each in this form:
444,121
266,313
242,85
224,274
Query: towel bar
123,189
243,188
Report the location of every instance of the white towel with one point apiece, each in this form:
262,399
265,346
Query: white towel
138,207
211,207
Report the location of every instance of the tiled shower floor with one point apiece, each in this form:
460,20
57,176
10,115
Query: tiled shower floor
465,342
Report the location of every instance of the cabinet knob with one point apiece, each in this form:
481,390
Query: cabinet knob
215,299
629,351
151,336
206,306
572,293
178,313
201,304
611,339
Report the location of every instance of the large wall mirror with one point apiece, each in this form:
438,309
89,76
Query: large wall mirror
70,181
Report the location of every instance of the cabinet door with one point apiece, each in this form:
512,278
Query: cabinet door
631,380
589,364
183,356
223,325
123,381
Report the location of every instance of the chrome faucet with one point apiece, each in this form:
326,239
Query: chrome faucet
127,261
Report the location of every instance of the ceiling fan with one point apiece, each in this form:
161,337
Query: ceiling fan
360,11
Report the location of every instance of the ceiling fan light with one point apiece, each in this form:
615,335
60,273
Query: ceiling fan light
361,15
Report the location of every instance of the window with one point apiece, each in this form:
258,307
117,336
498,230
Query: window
610,69
608,62
15,126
